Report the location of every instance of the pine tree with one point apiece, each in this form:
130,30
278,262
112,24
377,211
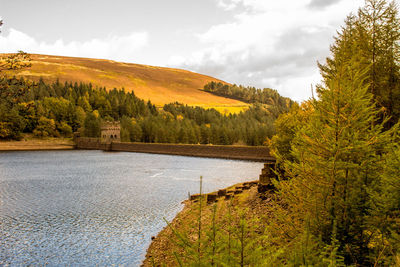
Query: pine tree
92,125
372,38
386,209
337,163
286,127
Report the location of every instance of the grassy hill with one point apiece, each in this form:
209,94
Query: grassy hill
160,85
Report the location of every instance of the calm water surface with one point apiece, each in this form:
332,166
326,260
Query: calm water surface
95,208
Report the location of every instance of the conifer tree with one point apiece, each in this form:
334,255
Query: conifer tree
286,127
337,163
372,38
92,125
386,209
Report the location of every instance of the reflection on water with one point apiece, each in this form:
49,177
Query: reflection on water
96,208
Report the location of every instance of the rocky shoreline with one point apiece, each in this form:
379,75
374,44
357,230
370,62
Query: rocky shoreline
243,195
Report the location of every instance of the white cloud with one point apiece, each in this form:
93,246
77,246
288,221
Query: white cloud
322,3
123,48
270,43
228,4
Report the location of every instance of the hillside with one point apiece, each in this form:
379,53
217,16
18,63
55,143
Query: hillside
160,85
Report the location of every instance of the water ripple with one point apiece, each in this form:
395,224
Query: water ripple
90,208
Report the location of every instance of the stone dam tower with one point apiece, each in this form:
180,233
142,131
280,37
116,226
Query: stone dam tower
110,132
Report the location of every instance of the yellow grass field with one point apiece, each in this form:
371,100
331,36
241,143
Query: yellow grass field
160,85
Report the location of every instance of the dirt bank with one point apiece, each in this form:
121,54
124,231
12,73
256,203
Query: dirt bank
256,207
37,144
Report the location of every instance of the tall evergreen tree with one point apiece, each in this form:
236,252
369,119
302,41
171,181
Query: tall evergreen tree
92,125
337,163
372,38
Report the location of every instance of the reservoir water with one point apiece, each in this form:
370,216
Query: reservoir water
91,208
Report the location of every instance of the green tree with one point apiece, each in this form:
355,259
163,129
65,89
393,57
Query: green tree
126,129
337,163
64,129
57,108
83,102
11,123
130,130
11,92
125,135
137,133
183,135
27,112
372,38
15,61
45,128
92,125
287,125
205,133
386,209
79,118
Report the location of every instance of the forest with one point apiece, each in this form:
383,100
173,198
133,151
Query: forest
250,94
58,109
335,200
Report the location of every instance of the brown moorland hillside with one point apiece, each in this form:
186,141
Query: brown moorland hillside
160,85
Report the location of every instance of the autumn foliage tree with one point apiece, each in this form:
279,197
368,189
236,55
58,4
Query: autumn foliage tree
287,125
11,123
339,193
372,38
337,165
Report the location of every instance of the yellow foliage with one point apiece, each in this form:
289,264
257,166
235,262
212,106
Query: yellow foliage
286,127
96,113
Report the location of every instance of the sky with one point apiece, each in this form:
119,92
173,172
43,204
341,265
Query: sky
261,43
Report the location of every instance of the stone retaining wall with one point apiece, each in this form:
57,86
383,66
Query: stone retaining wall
90,143
256,153
210,151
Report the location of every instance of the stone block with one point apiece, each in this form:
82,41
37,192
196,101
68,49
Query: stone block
221,192
211,198
194,197
264,179
262,188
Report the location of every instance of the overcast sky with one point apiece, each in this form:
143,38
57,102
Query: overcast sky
262,43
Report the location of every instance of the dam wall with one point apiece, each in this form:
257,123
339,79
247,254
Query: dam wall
90,144
253,153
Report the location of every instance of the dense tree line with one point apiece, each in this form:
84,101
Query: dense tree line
62,108
337,194
339,154
370,39
278,103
